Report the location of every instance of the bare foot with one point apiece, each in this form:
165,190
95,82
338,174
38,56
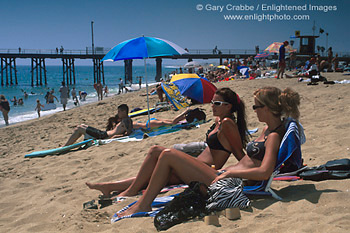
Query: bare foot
100,187
136,208
127,193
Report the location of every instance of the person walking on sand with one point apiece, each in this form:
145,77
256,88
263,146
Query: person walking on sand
5,108
64,95
282,61
38,107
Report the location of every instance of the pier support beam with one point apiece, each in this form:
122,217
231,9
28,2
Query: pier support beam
9,66
99,75
128,71
159,69
68,71
39,68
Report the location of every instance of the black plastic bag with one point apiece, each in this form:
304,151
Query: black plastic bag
332,170
187,205
196,113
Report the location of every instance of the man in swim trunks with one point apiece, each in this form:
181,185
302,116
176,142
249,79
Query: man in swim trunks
123,128
64,95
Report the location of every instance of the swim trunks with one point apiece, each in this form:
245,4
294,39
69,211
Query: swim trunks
96,133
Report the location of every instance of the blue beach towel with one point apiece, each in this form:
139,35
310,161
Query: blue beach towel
158,204
289,153
139,134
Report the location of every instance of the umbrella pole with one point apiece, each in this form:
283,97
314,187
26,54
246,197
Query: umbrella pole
149,117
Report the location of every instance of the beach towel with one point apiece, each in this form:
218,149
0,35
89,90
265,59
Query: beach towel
289,157
140,134
157,205
174,96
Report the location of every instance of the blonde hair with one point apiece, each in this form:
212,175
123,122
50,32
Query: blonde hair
281,103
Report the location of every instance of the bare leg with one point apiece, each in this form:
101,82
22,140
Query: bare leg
145,172
6,116
107,187
80,130
161,122
184,166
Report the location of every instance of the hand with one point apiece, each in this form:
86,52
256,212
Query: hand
220,177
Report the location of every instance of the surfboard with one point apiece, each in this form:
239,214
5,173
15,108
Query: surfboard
141,112
49,107
57,150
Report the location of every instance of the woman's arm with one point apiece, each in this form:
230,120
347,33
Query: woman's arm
230,138
262,172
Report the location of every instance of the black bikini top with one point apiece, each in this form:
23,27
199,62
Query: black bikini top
256,150
213,140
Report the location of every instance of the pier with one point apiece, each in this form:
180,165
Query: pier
38,68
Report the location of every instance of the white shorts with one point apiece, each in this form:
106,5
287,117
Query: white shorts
64,100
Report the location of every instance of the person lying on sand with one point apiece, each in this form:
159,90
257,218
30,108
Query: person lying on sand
153,123
227,135
258,164
123,128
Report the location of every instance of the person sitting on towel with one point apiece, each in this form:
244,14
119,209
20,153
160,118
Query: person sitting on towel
228,135
123,128
258,164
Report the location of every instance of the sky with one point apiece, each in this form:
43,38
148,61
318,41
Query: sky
192,24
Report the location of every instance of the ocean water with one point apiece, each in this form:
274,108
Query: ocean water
84,82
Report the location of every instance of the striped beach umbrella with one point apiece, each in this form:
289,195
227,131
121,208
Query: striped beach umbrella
262,55
195,87
275,46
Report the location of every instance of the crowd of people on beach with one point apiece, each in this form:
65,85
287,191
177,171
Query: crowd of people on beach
228,135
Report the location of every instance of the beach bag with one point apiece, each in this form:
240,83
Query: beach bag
196,113
227,193
187,205
332,170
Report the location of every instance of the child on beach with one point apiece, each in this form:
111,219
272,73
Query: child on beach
106,91
38,107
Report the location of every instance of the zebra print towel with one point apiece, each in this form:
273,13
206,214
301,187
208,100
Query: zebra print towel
227,193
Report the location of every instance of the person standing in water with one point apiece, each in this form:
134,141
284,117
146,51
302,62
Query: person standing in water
5,108
38,107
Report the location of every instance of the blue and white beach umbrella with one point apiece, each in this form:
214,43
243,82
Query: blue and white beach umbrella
143,47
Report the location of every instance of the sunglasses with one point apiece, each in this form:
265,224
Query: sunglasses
258,106
219,103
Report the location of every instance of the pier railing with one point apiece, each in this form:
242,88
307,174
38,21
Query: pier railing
87,51
103,50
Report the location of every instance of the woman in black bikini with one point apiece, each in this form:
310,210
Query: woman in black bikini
228,135
270,104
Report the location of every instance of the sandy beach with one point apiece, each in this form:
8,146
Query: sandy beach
47,194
